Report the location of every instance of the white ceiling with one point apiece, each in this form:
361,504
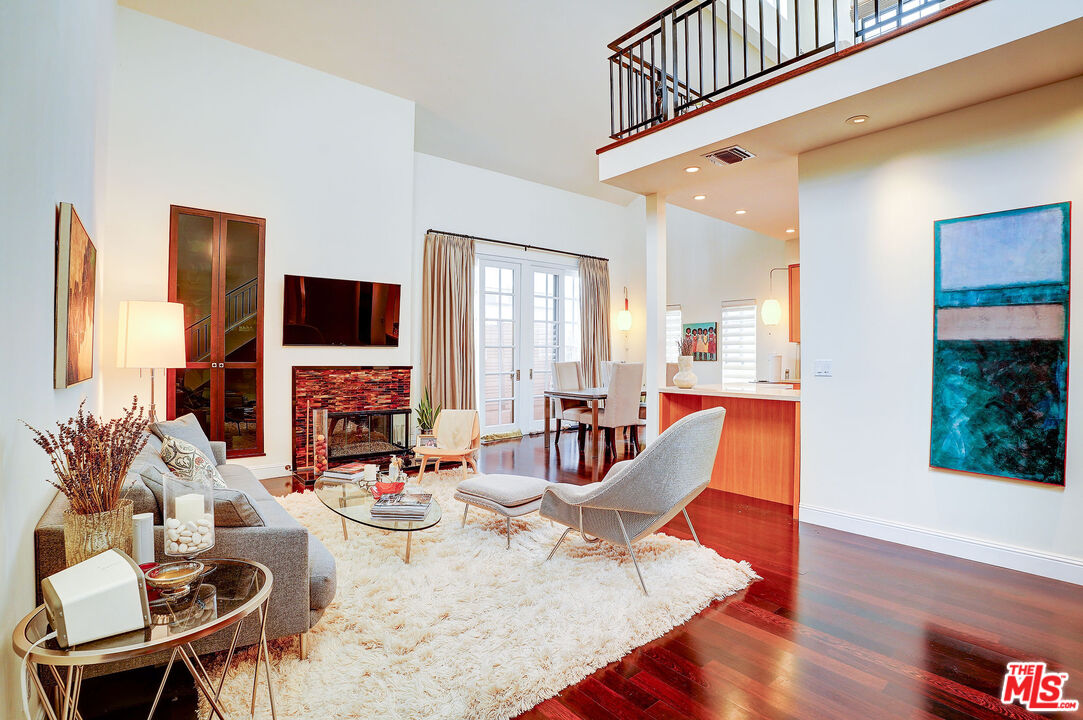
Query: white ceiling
515,87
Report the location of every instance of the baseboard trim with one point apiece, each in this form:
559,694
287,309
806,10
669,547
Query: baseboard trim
1036,562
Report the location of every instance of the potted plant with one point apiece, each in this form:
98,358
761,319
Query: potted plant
90,459
426,414
685,378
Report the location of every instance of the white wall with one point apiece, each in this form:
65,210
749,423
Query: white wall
711,261
460,198
53,81
867,212
202,122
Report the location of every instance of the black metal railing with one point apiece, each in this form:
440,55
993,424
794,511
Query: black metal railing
697,51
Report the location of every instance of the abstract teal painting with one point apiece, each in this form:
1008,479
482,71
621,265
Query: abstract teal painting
1000,343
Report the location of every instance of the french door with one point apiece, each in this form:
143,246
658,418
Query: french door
528,318
216,271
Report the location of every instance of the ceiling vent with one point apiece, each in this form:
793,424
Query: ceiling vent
729,156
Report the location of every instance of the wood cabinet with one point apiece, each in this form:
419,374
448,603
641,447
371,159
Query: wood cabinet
216,271
795,302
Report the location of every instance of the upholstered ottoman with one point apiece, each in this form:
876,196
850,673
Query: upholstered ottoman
507,495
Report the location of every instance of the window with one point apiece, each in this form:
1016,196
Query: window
571,316
738,341
673,331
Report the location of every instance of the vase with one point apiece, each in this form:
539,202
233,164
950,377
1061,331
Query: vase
685,378
187,515
88,535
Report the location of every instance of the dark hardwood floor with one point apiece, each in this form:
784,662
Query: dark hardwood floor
841,626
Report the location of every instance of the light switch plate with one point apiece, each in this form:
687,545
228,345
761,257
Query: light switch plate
821,368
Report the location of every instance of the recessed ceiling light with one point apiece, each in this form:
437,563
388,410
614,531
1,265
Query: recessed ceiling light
790,230
699,197
857,119
742,212
691,169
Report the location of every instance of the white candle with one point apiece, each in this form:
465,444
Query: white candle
370,473
143,538
393,472
188,508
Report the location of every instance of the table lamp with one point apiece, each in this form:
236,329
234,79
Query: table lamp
151,336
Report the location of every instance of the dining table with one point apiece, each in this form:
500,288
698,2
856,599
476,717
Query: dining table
593,397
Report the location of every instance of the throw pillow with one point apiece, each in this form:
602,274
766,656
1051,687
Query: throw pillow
186,428
188,463
232,508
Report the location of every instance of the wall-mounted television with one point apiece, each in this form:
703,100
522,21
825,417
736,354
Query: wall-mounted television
352,313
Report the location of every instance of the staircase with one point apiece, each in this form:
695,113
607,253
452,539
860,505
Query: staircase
242,304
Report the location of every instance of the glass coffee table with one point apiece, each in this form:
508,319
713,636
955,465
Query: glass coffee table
353,502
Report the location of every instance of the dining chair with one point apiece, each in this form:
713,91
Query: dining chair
622,403
458,439
566,376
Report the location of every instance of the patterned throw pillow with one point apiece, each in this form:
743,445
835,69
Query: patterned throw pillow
188,463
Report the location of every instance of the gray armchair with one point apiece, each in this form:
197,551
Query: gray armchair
637,497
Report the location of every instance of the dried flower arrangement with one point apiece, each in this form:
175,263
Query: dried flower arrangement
686,346
91,458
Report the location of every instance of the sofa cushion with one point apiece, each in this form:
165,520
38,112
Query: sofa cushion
186,428
506,490
188,463
238,477
232,508
322,574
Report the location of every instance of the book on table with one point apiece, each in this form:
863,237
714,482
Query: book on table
349,471
403,506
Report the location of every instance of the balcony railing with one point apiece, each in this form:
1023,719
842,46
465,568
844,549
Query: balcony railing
698,51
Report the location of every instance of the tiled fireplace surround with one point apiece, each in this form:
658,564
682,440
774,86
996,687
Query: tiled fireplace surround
342,389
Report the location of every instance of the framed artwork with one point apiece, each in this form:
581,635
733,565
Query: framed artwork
426,440
705,337
1000,343
76,260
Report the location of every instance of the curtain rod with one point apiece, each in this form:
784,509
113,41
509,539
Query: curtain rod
518,245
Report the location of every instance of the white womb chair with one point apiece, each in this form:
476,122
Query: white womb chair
639,496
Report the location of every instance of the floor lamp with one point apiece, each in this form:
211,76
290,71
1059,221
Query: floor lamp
151,336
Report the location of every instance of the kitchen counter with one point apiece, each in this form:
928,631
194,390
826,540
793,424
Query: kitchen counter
764,391
759,452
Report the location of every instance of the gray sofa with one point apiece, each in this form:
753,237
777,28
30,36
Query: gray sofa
303,568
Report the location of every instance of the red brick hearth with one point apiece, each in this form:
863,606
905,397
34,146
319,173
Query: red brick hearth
343,389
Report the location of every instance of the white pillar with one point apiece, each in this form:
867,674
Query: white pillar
656,307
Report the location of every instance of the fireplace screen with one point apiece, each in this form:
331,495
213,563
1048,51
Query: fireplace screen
367,434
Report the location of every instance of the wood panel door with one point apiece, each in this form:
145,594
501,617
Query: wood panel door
216,265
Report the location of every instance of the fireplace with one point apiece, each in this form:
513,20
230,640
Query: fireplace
367,410
367,434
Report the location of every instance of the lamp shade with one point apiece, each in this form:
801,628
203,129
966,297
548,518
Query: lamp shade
624,320
151,335
771,312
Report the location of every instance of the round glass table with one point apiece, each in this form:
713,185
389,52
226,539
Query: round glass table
353,502
227,592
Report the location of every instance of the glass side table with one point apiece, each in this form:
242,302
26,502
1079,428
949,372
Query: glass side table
226,593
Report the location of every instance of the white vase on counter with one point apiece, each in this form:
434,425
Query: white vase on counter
685,378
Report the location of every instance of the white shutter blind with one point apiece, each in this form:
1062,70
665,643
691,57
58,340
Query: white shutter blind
737,346
673,331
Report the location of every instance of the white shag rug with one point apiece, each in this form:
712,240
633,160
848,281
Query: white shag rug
470,629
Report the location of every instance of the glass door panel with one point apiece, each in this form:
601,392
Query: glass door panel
193,395
242,401
545,341
195,282
499,344
242,249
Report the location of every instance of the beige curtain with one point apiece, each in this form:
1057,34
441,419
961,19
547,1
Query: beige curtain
447,321
594,324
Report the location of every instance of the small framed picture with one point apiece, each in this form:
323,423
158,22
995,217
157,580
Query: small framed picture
426,440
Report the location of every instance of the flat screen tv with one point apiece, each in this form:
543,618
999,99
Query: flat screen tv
352,313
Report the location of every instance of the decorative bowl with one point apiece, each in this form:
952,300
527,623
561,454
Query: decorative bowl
387,488
175,578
